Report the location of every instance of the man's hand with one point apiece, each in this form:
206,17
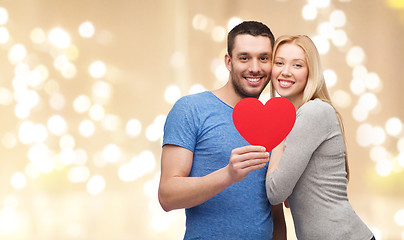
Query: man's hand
244,160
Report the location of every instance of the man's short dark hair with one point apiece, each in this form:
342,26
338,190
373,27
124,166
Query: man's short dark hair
253,28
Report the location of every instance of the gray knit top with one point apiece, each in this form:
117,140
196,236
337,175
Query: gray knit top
311,175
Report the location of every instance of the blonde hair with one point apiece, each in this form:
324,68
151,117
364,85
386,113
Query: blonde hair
315,86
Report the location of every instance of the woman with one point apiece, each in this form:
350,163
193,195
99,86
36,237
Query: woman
309,169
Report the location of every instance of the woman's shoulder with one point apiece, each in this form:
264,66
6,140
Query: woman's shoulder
317,107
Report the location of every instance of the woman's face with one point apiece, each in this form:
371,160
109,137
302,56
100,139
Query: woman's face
290,72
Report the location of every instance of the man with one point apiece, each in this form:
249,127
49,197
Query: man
207,167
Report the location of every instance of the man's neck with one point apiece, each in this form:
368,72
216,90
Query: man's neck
227,94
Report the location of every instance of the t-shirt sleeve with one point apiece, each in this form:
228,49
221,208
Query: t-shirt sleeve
311,128
180,128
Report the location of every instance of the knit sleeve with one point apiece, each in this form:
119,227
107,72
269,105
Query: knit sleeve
311,128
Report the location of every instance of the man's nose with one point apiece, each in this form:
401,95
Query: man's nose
254,66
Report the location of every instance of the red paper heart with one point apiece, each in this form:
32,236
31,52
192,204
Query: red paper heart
264,125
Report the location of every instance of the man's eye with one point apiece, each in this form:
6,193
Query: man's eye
243,58
264,58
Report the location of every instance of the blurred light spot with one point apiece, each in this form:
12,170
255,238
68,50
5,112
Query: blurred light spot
398,4
339,38
57,101
359,71
60,61
172,93
86,128
378,153
51,87
26,132
234,21
97,112
9,140
4,35
32,171
360,113
357,86
99,160
81,157
67,156
177,60
59,38
320,3
112,153
400,144
81,104
41,158
322,44
309,12
57,125
221,73
74,230
101,92
219,34
355,56
200,22
67,142
38,36
151,188
95,185
364,135
42,73
400,159
68,70
10,201
133,127
3,16
40,133
111,122
399,217
338,18
384,167
17,53
372,82
379,136
325,30
6,96
18,180
394,126
196,88
342,99
97,69
154,132
368,101
8,220
72,52
86,29
22,111
330,77
137,167
160,223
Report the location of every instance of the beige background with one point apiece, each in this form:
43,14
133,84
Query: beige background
151,49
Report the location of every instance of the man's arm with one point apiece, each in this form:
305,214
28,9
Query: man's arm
278,217
178,190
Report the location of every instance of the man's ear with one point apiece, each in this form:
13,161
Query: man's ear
227,61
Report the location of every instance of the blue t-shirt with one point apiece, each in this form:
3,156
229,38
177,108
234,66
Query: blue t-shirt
203,124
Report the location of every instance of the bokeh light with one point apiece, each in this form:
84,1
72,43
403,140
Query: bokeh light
84,97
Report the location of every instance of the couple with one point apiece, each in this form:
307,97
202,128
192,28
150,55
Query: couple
226,186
